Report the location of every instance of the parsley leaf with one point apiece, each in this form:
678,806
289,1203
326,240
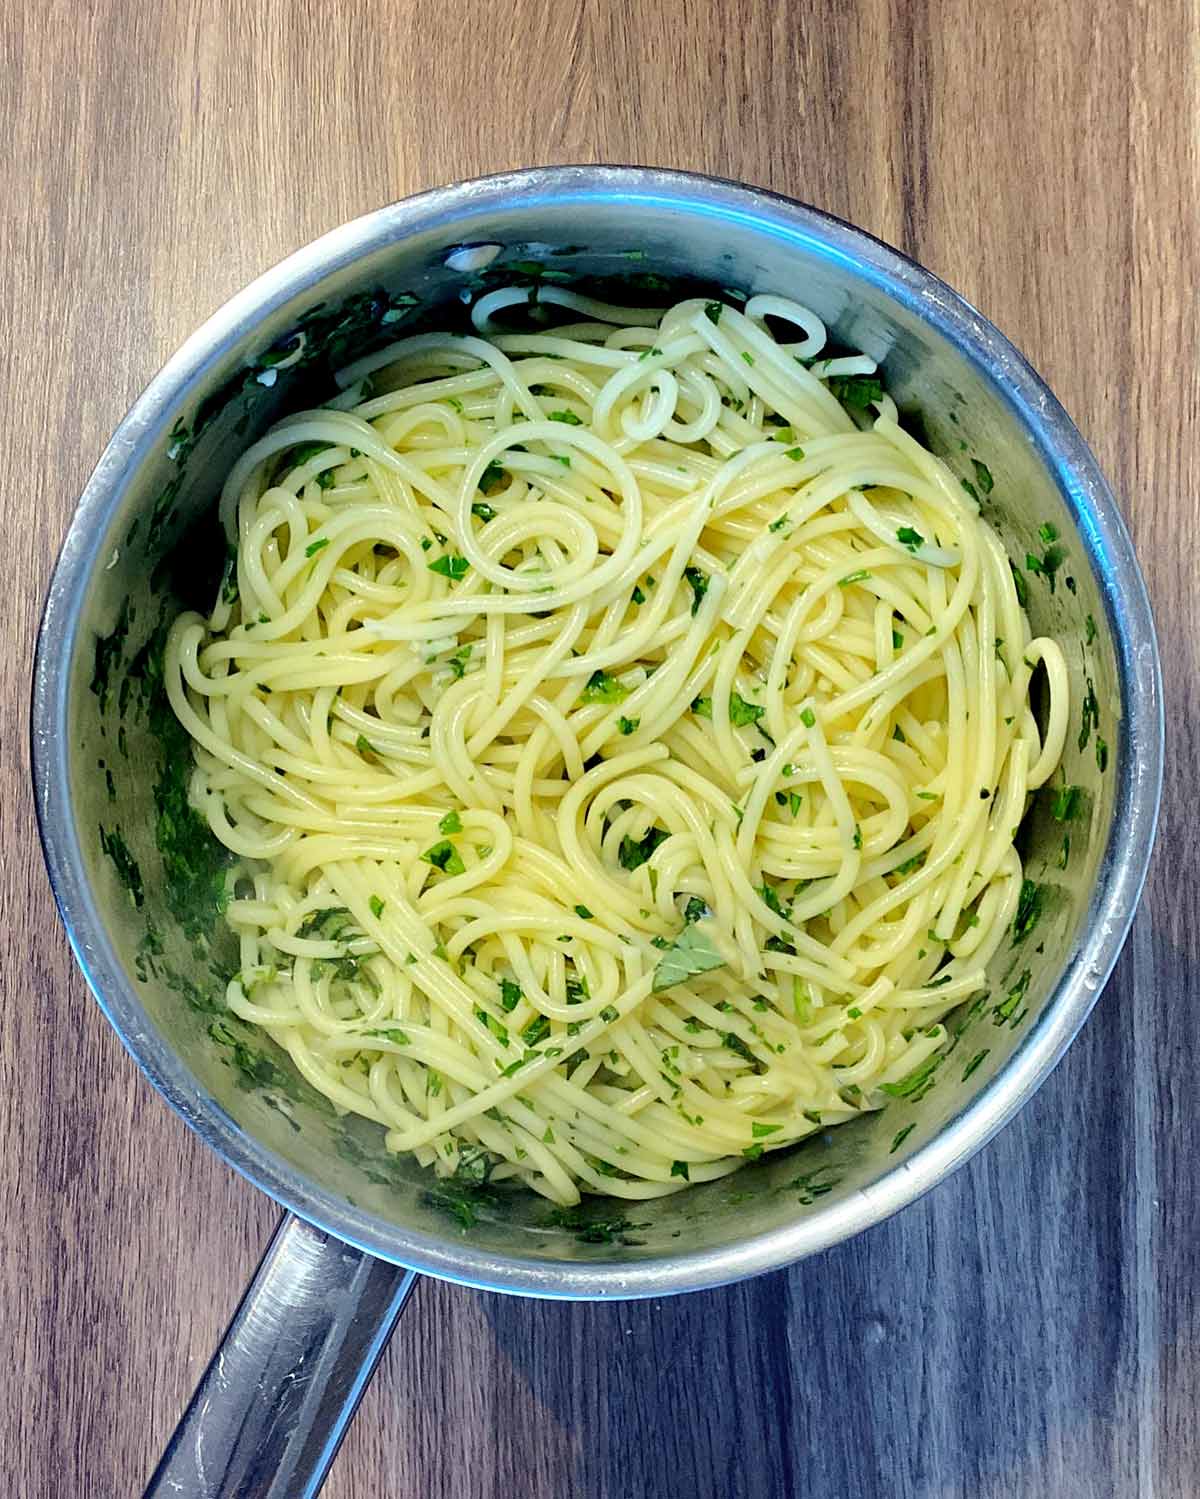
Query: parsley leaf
450,566
698,582
492,476
444,856
601,688
692,952
856,391
633,855
741,712
1029,911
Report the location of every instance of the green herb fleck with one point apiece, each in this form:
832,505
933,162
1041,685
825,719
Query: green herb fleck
692,952
1029,911
444,856
450,566
698,582
918,1082
856,391
633,855
601,688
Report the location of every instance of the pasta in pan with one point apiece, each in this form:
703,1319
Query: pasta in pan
622,729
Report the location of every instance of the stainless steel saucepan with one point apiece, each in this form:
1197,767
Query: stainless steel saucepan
136,894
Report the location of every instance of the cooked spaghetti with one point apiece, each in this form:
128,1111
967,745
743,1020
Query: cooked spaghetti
622,729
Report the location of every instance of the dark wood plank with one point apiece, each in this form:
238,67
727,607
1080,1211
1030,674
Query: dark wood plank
1028,1329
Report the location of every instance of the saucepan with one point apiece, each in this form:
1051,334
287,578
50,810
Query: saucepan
134,893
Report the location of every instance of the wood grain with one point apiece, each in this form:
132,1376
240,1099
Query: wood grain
1030,1328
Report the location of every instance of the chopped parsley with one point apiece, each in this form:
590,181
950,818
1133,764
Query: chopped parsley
1029,911
314,547
713,310
450,566
633,854
483,512
918,1082
741,712
900,1136
795,454
601,688
1090,630
583,913
983,477
698,582
628,725
856,577
1019,584
1101,753
1065,803
510,994
906,536
857,391
808,718
692,952
451,823
537,1030
1007,1008
1090,715
444,856
974,1063
1047,565
568,417
376,907
396,1037
491,476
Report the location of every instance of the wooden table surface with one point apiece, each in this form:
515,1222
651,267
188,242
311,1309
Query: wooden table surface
1029,1329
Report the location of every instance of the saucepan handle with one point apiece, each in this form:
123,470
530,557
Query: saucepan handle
271,1410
